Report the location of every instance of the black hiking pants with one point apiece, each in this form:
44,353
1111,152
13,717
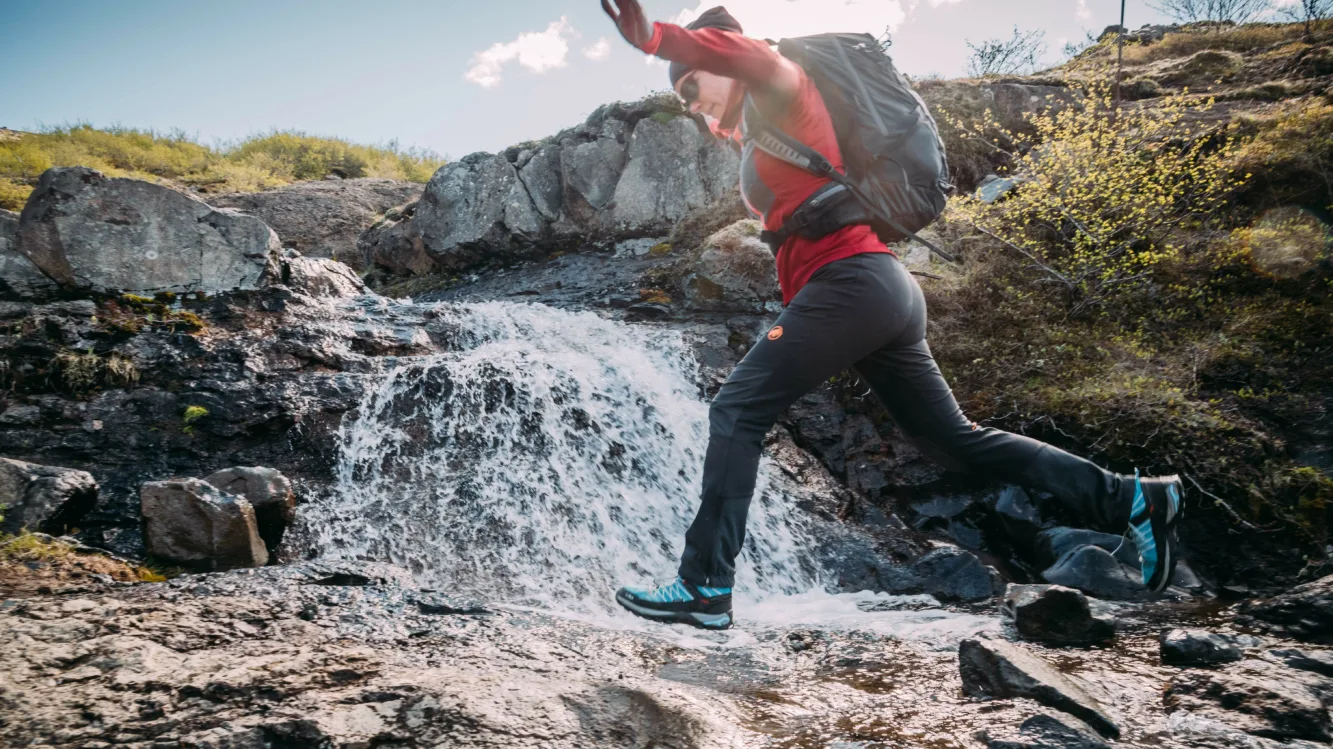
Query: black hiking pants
865,312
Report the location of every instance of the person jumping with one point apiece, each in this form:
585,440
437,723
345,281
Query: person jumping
848,302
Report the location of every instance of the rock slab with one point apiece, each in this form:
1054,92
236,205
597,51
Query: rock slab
1055,614
43,498
1304,612
1096,572
92,233
992,668
323,219
192,522
1046,732
1261,698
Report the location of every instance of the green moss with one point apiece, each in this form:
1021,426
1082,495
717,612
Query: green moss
661,248
663,118
191,415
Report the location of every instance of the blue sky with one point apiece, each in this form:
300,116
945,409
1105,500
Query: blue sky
448,75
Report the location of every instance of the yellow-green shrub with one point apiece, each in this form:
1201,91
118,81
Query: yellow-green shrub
1103,194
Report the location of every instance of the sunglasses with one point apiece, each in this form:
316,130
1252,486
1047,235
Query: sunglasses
689,89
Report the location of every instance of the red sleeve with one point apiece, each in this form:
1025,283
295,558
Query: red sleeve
724,53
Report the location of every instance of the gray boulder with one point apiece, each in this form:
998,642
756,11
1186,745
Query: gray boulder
630,171
1259,698
267,491
193,523
1055,615
19,278
89,232
992,668
474,209
324,218
1315,661
1054,543
733,271
43,498
663,180
1194,647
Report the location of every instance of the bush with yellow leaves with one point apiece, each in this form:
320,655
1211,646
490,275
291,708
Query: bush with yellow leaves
1103,195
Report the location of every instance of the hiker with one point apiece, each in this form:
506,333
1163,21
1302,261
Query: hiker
848,302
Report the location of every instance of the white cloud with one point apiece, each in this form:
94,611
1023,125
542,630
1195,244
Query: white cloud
774,19
538,51
1082,11
945,2
599,51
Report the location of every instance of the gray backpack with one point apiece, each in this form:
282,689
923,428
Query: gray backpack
897,176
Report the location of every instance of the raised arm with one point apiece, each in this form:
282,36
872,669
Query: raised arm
767,74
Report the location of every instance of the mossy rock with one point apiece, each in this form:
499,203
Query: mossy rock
1203,68
1137,89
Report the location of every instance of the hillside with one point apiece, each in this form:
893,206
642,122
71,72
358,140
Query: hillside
260,162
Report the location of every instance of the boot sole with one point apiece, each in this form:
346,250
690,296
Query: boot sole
693,618
1165,531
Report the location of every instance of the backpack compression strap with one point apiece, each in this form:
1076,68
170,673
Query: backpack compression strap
776,143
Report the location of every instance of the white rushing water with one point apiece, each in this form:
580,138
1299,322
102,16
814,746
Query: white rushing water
552,458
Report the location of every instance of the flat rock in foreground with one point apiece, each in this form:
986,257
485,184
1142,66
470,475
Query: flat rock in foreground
993,668
1261,698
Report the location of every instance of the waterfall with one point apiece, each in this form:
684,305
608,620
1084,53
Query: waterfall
551,457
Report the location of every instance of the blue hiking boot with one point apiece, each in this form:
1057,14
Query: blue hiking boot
679,601
1152,525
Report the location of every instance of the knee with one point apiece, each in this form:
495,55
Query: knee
727,416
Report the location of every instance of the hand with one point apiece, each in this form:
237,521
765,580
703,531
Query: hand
633,25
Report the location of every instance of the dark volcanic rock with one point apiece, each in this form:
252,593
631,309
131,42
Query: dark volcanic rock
19,278
1192,647
43,498
324,218
1304,612
1046,732
1056,615
88,232
192,522
1259,698
992,668
952,574
1054,543
1094,571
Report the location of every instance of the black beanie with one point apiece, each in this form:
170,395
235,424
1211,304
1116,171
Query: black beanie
714,18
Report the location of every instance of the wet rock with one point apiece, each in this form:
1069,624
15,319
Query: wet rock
1046,732
952,574
323,219
992,668
1193,647
19,278
1304,612
1094,571
734,271
89,232
1259,698
43,498
192,522
1054,543
320,277
1017,513
1315,661
1056,615
267,491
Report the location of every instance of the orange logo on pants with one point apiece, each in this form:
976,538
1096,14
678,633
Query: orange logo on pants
775,333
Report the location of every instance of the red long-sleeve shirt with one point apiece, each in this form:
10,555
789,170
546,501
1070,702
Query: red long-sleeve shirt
772,187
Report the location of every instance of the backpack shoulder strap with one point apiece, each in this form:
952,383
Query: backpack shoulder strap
773,141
